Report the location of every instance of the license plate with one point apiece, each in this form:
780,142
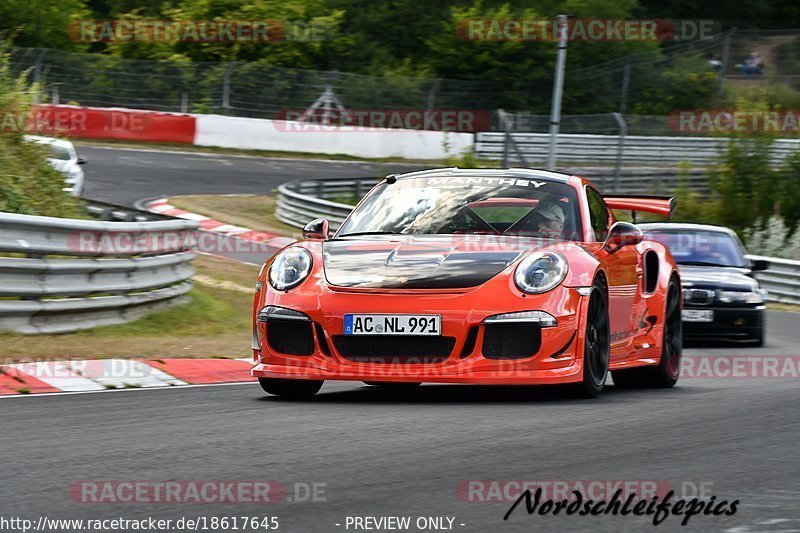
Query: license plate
392,325
697,315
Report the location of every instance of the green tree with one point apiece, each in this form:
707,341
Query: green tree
42,23
28,184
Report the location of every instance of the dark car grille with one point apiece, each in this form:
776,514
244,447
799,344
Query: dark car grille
698,296
511,341
394,348
291,337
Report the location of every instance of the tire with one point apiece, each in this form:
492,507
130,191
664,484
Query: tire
394,385
296,389
665,375
596,345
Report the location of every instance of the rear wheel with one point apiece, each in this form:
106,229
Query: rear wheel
596,346
664,375
394,385
298,389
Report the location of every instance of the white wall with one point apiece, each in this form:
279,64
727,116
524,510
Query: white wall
262,134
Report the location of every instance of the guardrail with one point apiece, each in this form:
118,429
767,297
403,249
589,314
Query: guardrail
63,275
593,149
300,202
781,280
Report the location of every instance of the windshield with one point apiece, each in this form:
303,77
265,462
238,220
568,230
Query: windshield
60,152
703,248
455,205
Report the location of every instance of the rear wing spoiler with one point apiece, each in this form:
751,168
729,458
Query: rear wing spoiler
660,205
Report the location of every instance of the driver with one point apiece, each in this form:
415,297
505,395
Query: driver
549,219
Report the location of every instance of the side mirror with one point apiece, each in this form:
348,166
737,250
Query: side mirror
82,160
318,229
622,234
759,265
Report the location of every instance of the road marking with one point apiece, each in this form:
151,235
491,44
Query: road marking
113,391
212,154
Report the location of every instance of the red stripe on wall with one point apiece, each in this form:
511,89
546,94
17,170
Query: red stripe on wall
120,124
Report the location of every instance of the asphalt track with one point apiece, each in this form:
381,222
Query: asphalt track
123,176
393,454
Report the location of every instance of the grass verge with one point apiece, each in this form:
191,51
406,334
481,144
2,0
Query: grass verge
248,210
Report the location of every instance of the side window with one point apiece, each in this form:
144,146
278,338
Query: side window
599,214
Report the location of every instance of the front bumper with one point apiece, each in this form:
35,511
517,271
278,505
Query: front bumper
729,322
556,361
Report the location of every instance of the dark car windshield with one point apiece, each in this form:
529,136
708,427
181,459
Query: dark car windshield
702,248
455,204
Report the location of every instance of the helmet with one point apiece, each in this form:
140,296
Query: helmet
552,212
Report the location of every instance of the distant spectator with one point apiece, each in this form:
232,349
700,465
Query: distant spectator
715,61
753,65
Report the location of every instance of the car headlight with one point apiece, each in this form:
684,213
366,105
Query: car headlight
741,297
290,268
540,272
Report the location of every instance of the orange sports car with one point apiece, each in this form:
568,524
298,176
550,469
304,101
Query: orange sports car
512,277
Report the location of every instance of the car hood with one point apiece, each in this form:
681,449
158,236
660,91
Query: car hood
418,262
726,278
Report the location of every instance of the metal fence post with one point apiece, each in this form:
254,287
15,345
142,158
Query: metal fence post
626,81
226,86
184,102
37,74
726,52
623,131
558,88
432,93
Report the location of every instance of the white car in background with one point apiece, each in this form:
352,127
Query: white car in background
64,159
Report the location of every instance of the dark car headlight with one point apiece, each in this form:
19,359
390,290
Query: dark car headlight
741,297
540,272
290,268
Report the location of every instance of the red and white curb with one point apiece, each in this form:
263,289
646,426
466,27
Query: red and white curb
96,375
163,207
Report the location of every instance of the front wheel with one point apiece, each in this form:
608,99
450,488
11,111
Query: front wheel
296,389
596,344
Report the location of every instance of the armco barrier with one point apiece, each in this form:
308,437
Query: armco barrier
302,201
592,149
781,280
103,272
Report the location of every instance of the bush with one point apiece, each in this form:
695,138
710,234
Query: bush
28,184
691,205
774,239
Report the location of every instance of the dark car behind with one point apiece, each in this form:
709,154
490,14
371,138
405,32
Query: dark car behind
721,299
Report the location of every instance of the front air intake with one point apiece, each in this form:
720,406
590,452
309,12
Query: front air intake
290,337
511,340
